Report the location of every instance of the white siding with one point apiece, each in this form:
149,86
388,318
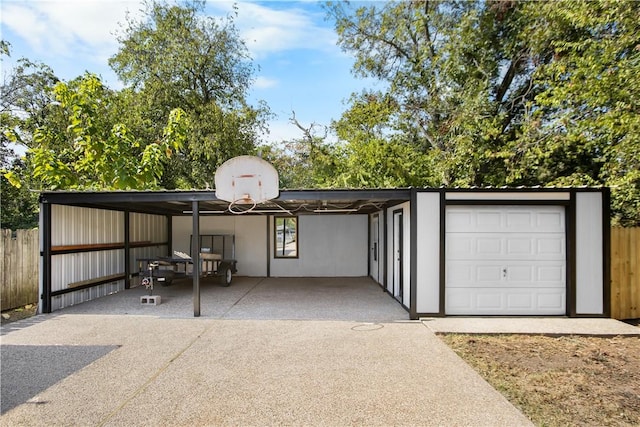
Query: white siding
145,227
376,267
589,256
250,236
428,253
61,301
329,246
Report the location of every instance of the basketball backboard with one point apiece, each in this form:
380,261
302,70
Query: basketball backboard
246,180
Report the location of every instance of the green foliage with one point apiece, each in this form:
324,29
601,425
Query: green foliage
496,93
178,57
446,91
96,151
18,205
583,128
24,105
371,157
306,162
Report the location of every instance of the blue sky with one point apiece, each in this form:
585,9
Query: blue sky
301,68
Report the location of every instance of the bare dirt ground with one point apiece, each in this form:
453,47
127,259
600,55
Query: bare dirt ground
560,381
9,316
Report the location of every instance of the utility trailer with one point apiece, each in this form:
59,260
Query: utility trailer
217,259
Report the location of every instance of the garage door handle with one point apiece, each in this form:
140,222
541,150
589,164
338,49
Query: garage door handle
504,272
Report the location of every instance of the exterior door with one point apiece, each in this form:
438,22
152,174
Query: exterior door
505,260
374,262
397,254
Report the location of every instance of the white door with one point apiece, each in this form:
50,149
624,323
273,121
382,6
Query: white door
374,263
505,260
397,255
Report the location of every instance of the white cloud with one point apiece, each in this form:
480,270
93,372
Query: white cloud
65,28
282,130
271,30
265,83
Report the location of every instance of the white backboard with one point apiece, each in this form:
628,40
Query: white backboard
246,180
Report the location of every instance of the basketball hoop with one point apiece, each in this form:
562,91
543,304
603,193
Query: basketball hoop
245,182
243,202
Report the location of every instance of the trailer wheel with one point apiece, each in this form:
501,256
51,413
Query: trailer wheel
225,275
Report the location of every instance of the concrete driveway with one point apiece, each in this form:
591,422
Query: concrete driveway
344,354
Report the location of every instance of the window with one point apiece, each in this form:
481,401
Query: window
286,237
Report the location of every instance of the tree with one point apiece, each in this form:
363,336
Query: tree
306,162
370,156
26,99
19,205
504,92
583,128
25,104
443,67
86,147
178,57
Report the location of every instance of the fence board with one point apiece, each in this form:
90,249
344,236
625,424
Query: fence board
19,266
625,273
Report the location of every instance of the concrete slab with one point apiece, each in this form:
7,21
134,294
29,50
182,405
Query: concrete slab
169,371
530,325
345,298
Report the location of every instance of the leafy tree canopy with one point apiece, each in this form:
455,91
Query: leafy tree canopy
86,146
176,56
499,92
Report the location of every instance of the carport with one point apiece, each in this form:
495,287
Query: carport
91,240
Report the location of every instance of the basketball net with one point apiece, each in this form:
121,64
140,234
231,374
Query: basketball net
239,206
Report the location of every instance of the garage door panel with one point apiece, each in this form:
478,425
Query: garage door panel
505,274
513,246
497,301
505,260
505,219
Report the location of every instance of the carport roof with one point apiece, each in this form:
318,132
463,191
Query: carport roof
180,202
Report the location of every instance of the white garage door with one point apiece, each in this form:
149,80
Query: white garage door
505,260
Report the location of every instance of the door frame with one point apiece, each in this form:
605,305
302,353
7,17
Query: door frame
397,270
374,247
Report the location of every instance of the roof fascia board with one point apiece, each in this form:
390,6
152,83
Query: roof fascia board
126,197
345,194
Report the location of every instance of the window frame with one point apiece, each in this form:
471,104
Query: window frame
279,254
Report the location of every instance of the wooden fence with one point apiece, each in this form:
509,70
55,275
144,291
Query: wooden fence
19,266
625,273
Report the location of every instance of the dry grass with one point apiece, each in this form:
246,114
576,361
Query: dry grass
560,381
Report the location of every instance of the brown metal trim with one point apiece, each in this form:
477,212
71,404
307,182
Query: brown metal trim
91,283
95,247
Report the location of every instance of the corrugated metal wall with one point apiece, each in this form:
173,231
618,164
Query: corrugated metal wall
84,226
147,228
72,225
